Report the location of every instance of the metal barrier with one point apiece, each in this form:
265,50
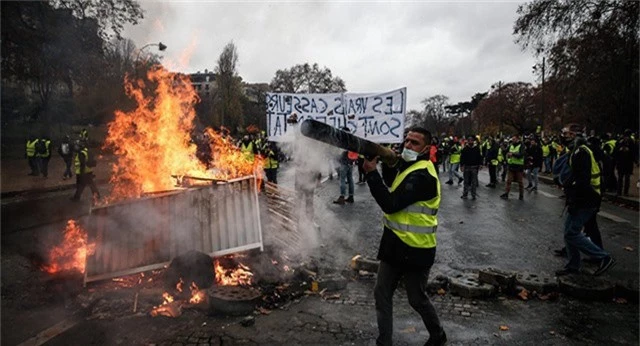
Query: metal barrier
146,233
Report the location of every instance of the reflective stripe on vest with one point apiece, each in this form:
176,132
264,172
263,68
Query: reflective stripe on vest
416,224
513,160
31,148
455,155
595,169
77,164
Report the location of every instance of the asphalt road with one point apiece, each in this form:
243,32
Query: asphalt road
511,235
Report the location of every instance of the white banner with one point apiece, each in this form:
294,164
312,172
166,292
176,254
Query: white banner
378,117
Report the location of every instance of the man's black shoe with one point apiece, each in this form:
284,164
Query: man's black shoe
560,253
460,180
349,199
606,264
439,341
449,182
529,186
566,271
464,197
504,196
591,260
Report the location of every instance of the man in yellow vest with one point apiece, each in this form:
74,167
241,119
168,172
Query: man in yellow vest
84,173
609,180
515,161
409,197
454,160
546,155
43,153
30,153
248,148
583,196
271,162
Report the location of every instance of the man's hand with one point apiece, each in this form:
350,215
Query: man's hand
370,165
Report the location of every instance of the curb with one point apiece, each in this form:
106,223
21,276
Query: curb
63,187
489,281
628,202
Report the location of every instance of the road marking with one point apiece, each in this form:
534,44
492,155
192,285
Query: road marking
546,194
611,217
50,333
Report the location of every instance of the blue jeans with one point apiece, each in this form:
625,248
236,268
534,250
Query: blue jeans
576,241
346,177
547,164
532,176
453,169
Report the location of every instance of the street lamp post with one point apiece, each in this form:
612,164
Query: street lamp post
535,68
160,45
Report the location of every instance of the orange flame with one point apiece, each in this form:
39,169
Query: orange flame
232,277
71,255
197,296
153,141
167,298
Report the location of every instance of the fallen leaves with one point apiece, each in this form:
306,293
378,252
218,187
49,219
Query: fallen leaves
620,300
628,248
524,294
504,328
441,291
409,330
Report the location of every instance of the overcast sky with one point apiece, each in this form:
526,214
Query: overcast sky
450,48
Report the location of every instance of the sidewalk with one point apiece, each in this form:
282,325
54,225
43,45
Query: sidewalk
15,178
631,201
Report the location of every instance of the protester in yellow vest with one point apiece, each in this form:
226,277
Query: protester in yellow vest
84,173
454,160
515,160
583,197
30,154
43,155
409,198
271,162
248,148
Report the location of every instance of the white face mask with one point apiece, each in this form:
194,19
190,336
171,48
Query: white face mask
409,155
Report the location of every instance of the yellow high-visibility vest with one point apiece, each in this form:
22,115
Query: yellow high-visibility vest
416,224
248,151
595,169
455,154
545,150
514,160
76,162
31,148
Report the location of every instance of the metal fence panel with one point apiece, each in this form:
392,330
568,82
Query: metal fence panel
146,233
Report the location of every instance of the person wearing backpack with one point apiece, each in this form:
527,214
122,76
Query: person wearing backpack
44,155
83,164
66,152
583,197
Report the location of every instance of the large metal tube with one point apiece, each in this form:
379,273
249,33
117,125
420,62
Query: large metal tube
345,140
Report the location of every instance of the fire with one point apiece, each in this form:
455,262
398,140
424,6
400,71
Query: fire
197,296
154,141
72,253
232,277
167,298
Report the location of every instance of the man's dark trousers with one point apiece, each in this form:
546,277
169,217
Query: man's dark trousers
416,285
